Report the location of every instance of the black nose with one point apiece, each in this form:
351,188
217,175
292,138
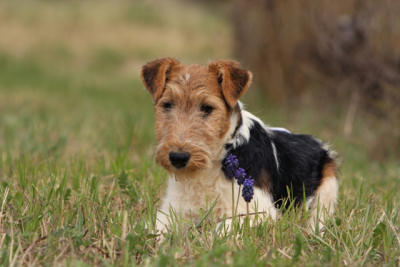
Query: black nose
179,159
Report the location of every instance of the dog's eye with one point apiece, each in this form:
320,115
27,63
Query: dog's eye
167,106
206,109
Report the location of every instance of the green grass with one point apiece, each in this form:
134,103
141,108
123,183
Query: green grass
78,185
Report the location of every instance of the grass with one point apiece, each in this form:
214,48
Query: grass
78,186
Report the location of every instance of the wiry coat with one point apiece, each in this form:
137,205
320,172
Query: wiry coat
199,121
289,166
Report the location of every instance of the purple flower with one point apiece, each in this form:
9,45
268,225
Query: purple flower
248,190
231,164
240,175
232,160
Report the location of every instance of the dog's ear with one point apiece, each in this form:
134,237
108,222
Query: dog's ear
233,80
155,74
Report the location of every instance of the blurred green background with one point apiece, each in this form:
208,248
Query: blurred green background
76,124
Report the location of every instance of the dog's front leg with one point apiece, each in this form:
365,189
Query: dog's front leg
161,224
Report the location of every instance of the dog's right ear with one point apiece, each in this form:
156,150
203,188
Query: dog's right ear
154,75
233,80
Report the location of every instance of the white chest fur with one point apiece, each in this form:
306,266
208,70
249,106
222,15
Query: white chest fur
187,196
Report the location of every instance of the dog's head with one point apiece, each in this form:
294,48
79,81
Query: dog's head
193,110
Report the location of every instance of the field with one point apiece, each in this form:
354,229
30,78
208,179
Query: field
78,184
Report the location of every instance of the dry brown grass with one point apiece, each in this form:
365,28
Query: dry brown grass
83,29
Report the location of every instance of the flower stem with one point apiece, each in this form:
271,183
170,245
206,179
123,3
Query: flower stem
247,207
233,199
237,200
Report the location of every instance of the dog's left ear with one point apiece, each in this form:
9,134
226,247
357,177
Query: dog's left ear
233,80
155,74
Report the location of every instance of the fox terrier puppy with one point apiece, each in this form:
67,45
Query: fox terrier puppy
199,122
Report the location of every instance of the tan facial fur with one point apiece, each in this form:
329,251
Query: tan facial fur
182,99
185,127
